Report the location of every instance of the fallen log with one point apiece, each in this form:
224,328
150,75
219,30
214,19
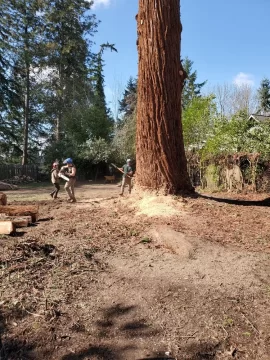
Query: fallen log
6,227
20,210
22,221
3,199
7,186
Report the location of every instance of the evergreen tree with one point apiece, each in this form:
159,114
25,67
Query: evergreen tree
4,62
100,113
68,26
191,88
21,22
128,103
264,96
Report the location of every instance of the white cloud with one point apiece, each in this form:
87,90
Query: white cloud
101,3
244,79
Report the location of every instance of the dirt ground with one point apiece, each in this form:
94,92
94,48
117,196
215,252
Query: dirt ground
134,278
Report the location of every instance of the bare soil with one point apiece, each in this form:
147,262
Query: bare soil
105,279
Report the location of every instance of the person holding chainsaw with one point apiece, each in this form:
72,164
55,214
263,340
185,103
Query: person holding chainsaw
69,170
127,176
55,179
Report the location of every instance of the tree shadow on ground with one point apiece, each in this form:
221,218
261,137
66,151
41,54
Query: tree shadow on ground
45,219
265,202
13,349
203,350
157,356
112,326
135,328
103,353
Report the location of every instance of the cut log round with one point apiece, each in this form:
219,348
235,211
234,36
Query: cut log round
22,221
6,227
20,210
3,199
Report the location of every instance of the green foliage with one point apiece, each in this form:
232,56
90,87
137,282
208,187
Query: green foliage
191,89
124,140
128,103
69,26
238,135
46,52
59,151
22,26
264,95
198,119
97,151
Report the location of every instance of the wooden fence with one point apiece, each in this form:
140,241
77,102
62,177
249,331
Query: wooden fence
9,171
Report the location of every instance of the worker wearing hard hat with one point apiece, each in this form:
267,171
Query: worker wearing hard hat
127,177
55,180
69,170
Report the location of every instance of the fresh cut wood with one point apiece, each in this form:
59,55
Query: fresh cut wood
6,227
20,210
3,199
18,221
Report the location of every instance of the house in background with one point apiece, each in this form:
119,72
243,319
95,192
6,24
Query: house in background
259,118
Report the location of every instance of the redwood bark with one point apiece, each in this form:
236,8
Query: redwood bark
160,161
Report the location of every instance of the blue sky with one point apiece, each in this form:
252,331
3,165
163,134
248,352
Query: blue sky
227,40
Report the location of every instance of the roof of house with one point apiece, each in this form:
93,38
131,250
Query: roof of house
260,118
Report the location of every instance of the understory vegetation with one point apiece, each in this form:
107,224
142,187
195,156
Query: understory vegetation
52,99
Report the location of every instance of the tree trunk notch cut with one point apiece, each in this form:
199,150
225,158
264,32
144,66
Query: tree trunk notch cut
160,161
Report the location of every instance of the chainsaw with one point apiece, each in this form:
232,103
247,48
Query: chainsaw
62,176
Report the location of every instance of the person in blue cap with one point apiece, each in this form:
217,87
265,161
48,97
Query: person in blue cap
69,170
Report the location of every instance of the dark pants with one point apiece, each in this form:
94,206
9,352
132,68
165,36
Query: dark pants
56,190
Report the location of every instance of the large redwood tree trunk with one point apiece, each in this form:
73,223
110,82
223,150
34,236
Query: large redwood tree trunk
160,160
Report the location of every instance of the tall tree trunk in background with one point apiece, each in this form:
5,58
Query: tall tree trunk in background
26,120
26,98
58,128
160,160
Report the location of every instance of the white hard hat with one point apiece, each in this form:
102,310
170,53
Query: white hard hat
128,160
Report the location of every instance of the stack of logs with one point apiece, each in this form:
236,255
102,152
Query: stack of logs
15,216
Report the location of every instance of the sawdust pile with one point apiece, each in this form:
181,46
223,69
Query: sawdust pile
153,205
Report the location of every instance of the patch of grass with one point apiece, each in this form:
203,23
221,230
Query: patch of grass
228,322
35,185
146,240
134,233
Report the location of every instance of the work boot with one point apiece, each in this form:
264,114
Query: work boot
51,194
